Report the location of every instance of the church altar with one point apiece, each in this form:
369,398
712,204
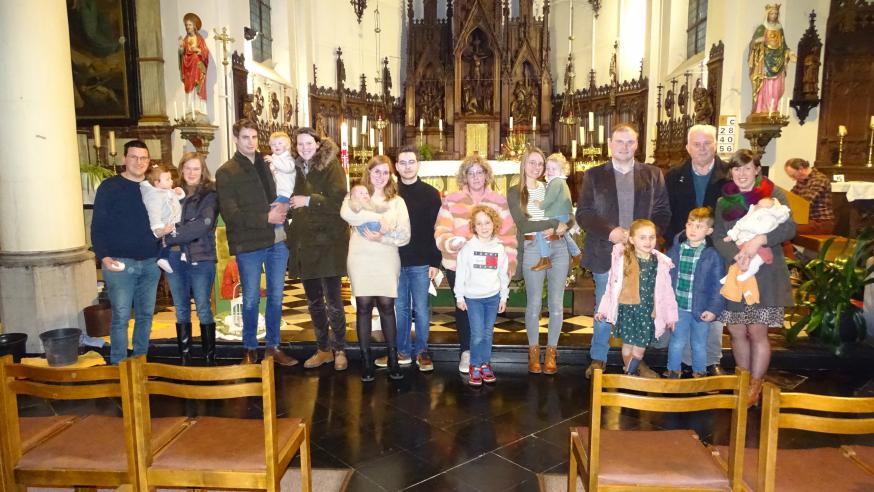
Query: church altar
441,174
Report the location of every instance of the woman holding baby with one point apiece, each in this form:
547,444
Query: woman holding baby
755,304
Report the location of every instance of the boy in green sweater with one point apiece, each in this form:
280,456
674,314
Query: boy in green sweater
557,205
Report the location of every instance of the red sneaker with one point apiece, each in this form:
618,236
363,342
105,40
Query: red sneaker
488,375
475,376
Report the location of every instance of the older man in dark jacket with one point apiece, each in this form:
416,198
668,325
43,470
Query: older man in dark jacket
613,196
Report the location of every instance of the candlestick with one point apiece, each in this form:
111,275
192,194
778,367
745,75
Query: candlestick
175,112
111,142
372,138
573,149
533,123
421,124
511,123
842,131
364,123
871,125
600,134
582,136
97,136
591,121
380,148
440,124
354,136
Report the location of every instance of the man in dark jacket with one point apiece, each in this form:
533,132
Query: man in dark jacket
246,191
613,196
697,183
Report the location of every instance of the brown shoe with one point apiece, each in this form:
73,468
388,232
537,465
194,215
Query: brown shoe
755,391
549,361
424,362
543,264
596,364
250,357
319,358
534,359
340,361
645,371
279,357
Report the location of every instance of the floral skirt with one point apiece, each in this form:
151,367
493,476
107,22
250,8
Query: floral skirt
770,316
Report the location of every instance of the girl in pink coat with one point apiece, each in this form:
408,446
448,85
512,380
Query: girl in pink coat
639,300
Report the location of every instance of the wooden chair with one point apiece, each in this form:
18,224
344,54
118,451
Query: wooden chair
85,452
217,452
810,469
658,460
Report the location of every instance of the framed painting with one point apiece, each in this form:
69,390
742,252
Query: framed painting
104,60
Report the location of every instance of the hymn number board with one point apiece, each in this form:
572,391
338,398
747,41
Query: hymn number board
726,136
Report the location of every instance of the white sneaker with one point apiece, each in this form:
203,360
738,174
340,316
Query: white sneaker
464,363
163,264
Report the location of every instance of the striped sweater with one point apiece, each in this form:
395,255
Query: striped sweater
453,220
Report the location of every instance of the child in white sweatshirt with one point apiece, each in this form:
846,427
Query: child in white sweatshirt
163,203
482,285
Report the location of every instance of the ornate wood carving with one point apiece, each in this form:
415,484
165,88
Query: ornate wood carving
670,138
271,104
805,96
847,90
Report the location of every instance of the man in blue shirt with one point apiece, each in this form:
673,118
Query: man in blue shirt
127,249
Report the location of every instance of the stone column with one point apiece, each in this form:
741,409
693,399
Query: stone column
151,62
47,275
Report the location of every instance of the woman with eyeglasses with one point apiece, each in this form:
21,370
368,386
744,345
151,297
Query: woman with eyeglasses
452,231
373,263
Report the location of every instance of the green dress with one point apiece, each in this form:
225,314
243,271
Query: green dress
634,324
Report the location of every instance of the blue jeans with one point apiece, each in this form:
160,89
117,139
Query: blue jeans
134,287
274,260
413,286
543,244
692,331
556,278
482,313
462,324
191,280
601,336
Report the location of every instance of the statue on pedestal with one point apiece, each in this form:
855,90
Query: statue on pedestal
193,63
767,61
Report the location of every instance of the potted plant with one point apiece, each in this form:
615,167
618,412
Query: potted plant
829,293
92,175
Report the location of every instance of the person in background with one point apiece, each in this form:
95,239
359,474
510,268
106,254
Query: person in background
128,251
193,257
816,188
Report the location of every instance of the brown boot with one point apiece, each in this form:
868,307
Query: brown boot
755,390
319,358
279,357
543,264
549,364
596,364
644,371
534,359
250,357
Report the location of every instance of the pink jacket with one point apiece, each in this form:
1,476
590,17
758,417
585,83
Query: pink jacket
665,302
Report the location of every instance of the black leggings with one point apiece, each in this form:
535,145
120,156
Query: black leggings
363,316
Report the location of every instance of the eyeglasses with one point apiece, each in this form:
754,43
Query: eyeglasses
476,173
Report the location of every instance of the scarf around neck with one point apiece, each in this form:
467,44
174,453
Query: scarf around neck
734,203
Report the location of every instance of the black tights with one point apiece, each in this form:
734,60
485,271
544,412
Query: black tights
363,313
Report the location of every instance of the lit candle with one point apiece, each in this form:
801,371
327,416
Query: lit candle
591,121
573,149
582,136
600,134
534,124
354,136
872,123
111,142
372,138
97,136
511,122
380,148
842,131
364,124
440,124
344,134
421,124
175,111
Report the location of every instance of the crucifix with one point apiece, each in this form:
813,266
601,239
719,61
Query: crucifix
224,39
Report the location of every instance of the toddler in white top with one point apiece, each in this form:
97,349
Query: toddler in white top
761,218
282,167
163,203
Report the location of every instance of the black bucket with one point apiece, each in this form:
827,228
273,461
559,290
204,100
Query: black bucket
61,346
13,343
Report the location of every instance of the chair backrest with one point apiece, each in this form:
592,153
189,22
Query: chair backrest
56,383
202,383
777,413
672,395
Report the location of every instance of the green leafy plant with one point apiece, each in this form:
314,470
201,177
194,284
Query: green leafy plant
829,293
425,152
93,174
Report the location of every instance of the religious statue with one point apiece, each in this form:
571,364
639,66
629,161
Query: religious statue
683,99
524,102
810,80
767,61
288,111
703,104
474,87
386,80
341,77
274,105
193,62
669,104
429,101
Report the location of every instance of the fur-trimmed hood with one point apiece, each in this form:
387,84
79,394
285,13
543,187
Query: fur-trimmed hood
326,153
